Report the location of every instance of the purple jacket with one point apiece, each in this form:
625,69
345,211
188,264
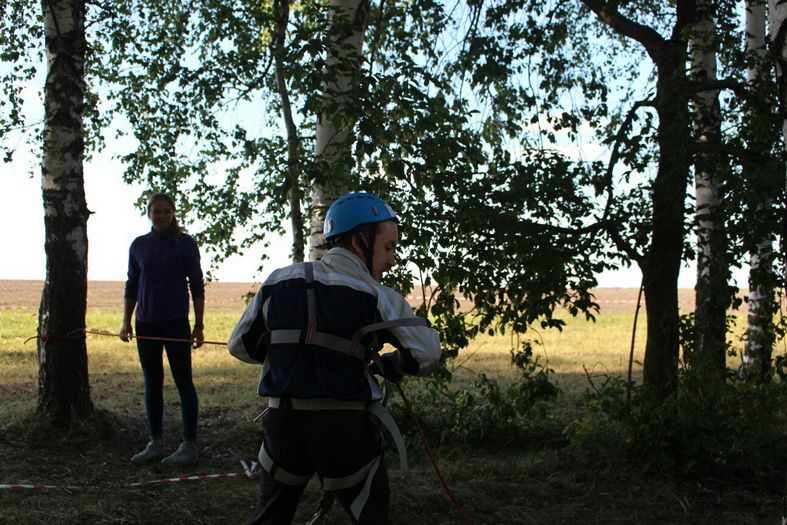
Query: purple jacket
159,269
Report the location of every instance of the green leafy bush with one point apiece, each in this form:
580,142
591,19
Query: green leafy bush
486,411
709,427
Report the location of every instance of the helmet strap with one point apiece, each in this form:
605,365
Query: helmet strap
368,245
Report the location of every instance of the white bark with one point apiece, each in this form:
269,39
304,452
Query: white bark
703,57
333,137
756,351
711,274
64,391
62,172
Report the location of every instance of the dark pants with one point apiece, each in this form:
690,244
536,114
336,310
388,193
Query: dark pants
332,443
179,357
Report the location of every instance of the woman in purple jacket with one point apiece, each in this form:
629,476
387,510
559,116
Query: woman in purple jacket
162,266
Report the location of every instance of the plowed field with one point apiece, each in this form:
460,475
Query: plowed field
229,297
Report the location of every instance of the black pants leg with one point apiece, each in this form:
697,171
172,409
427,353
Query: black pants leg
277,502
375,511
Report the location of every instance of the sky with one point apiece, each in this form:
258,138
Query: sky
115,222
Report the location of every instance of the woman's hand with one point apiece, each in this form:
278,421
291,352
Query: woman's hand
126,332
197,336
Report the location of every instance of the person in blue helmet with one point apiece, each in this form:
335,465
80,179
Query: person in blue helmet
316,329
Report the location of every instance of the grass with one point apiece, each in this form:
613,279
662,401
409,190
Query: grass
536,481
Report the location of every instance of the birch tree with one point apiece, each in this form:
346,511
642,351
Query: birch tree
712,299
63,387
332,148
759,330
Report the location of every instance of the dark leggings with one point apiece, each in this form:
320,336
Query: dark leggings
179,357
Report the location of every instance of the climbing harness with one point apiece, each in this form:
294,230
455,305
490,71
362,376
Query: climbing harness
353,347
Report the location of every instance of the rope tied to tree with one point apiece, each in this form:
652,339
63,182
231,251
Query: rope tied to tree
46,338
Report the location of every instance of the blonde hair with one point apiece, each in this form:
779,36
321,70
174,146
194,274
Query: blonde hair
160,196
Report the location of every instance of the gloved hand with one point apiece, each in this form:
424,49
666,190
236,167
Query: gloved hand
392,368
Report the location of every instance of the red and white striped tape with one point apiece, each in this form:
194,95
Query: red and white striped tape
199,477
249,467
38,486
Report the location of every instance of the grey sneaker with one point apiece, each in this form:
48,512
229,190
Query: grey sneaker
151,453
184,455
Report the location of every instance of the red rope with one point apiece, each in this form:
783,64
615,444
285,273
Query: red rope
465,518
54,338
150,338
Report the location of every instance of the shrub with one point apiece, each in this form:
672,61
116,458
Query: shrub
729,427
485,410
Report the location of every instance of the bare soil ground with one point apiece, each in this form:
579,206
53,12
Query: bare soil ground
230,297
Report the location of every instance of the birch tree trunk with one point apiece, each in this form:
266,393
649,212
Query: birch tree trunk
334,140
63,387
711,299
759,338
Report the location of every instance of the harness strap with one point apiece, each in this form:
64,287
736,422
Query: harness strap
279,474
393,323
366,473
331,484
351,347
316,403
323,339
311,303
380,412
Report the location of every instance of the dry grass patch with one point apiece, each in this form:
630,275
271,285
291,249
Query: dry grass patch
534,481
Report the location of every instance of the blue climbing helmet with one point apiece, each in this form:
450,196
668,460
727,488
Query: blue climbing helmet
355,209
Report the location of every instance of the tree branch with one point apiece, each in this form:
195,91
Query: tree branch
653,42
590,228
717,85
619,136
625,247
281,9
613,159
